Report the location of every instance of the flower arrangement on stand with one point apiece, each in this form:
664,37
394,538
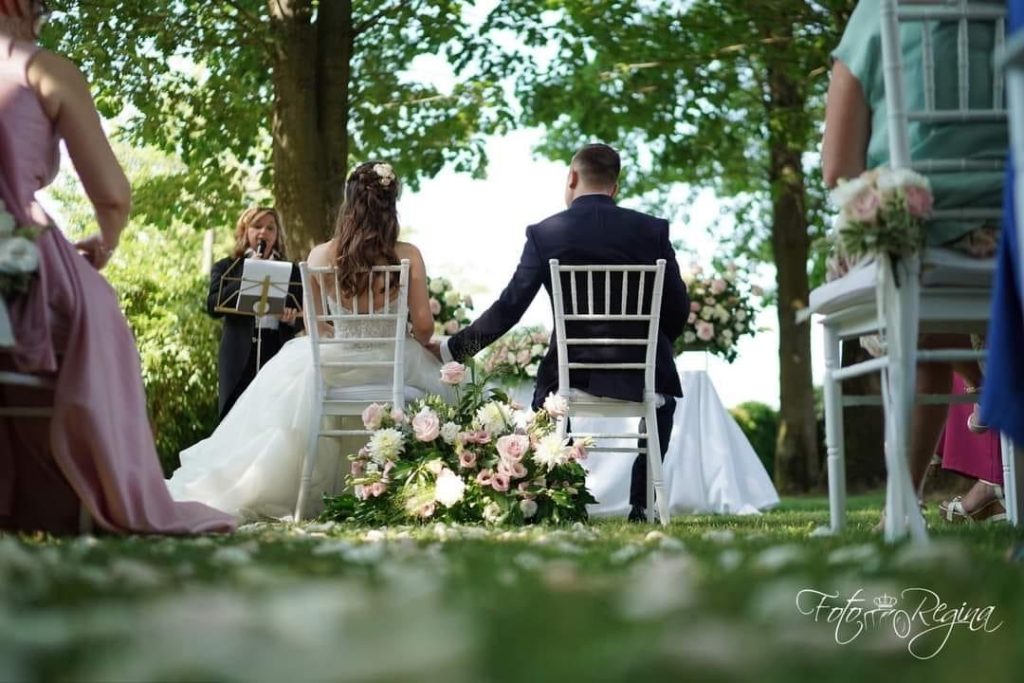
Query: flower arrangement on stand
19,257
722,310
516,356
449,307
480,460
881,211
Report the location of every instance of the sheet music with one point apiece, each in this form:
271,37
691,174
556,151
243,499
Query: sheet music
254,273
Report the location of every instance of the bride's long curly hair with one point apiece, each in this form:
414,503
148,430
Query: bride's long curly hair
367,229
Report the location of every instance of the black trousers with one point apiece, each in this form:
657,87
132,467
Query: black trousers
638,482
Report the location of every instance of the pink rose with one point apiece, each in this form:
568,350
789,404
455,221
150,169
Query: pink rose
577,452
499,482
467,460
377,489
919,201
515,470
483,477
864,206
451,327
357,468
435,306
523,357
480,437
453,373
691,319
705,331
388,466
398,415
513,447
718,286
372,416
427,510
425,425
695,306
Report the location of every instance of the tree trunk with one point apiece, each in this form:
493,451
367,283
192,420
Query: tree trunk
297,144
797,457
336,36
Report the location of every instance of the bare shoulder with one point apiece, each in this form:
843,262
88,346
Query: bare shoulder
408,250
50,65
320,255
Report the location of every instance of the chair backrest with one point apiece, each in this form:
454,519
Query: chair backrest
621,295
929,16
325,305
19,379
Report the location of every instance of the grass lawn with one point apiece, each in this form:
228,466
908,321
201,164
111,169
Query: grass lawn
712,598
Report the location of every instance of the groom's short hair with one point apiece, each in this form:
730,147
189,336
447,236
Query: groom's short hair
598,165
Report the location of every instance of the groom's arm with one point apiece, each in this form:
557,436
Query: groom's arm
675,302
507,310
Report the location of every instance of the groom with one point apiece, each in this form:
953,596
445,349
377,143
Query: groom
592,231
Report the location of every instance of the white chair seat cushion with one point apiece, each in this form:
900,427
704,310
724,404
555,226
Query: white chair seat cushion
940,268
371,392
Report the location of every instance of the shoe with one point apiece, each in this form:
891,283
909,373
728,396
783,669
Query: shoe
994,510
637,515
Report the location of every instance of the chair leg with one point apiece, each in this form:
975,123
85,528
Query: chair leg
308,464
1013,463
899,287
834,444
656,479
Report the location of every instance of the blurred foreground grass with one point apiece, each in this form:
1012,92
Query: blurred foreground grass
711,598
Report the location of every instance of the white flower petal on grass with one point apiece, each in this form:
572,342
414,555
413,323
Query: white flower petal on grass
231,555
853,554
658,587
778,557
135,574
719,536
730,559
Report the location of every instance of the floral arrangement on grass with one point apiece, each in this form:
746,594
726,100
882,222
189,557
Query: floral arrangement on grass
448,306
882,211
516,356
481,460
19,257
722,309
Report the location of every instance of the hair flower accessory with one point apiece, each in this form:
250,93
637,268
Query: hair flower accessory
385,173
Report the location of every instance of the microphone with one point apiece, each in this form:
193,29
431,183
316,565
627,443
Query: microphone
261,247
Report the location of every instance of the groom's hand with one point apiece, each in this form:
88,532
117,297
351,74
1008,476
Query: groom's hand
434,347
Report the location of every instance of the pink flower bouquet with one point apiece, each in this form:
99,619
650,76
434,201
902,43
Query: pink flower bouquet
722,309
881,211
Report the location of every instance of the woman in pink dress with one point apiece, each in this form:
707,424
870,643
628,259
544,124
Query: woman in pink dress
97,449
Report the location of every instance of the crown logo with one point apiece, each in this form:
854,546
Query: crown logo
885,601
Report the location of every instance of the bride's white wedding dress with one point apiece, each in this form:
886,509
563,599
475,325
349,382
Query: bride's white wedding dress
251,465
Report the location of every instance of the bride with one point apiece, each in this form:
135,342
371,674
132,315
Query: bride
251,465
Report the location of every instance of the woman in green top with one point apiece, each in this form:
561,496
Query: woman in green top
856,139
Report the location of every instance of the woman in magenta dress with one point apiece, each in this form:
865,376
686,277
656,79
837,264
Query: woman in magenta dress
97,449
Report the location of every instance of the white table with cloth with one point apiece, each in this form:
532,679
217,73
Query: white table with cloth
710,465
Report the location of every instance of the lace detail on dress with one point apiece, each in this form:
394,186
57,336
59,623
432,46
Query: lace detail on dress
353,327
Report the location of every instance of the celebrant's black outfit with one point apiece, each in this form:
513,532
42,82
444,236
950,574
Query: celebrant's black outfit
238,341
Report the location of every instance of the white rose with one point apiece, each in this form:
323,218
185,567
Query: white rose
537,350
706,312
741,315
452,298
739,328
449,489
449,432
493,513
18,255
531,370
528,507
436,286
689,337
451,327
727,334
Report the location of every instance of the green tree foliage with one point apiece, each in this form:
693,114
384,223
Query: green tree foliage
760,424
723,94
286,94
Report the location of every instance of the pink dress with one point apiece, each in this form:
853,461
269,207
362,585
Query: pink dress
977,456
97,448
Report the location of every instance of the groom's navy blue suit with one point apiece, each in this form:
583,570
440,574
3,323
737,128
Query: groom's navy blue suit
594,231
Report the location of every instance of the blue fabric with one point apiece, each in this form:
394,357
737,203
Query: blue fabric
1002,404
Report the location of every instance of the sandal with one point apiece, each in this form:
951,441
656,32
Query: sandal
974,423
994,510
